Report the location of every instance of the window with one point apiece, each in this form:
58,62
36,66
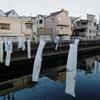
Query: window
90,31
94,37
52,19
40,21
13,12
84,23
4,26
28,25
41,27
60,18
94,24
89,37
61,28
78,24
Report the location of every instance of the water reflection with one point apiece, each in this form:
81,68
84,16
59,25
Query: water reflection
53,68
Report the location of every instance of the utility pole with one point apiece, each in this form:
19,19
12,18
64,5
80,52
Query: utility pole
32,27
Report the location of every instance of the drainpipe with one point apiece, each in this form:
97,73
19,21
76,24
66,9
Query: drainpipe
21,27
26,34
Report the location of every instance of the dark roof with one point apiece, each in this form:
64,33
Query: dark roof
2,11
7,13
44,16
55,14
73,19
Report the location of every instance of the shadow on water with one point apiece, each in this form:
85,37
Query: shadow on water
18,75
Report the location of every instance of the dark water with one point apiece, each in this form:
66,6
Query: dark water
15,81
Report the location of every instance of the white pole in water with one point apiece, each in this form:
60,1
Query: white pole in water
71,68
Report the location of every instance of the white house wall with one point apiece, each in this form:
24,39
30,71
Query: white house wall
2,14
93,30
90,17
13,15
15,25
37,20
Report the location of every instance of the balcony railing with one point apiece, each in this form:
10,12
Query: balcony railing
67,32
82,33
82,26
63,22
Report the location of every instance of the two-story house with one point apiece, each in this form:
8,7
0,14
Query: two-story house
42,32
86,28
59,23
11,25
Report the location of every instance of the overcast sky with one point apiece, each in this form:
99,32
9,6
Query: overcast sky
28,7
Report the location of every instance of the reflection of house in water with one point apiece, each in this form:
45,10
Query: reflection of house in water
58,73
88,64
15,84
61,74
11,85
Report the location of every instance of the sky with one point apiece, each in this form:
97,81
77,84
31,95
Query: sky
45,7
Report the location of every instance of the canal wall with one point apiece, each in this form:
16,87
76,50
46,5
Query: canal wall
49,49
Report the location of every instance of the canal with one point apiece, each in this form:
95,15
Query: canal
16,84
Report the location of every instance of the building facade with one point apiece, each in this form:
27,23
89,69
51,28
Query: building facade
20,26
59,23
42,32
12,25
86,28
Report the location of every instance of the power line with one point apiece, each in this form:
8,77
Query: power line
56,7
43,4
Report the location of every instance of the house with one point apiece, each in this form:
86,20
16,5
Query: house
40,19
12,13
13,26
86,28
42,32
59,23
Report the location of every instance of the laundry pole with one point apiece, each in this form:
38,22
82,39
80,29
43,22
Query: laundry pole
37,62
71,69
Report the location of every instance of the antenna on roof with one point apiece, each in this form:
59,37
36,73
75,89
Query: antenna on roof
20,12
9,6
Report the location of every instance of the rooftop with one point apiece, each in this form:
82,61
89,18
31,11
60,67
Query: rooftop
55,13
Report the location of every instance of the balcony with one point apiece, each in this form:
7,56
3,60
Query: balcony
63,22
82,33
81,27
66,32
